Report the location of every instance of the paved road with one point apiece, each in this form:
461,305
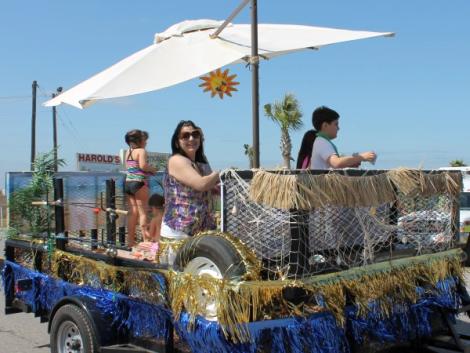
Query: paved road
22,333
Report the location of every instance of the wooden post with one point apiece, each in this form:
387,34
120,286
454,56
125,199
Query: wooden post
254,61
33,126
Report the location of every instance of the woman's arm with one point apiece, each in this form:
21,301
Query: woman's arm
182,170
143,162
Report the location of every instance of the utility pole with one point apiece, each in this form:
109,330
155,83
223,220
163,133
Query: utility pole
33,126
54,129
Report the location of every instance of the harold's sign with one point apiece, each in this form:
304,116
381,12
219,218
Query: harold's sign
98,162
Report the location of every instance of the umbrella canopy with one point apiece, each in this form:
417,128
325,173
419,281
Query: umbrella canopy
186,50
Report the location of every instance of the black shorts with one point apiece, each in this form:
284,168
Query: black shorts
132,187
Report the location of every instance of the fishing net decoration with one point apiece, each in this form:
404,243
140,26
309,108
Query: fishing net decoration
302,224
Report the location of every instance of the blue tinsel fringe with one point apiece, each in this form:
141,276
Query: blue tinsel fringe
318,333
139,318
407,321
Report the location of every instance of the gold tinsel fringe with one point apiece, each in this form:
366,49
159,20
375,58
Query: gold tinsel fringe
84,271
305,191
251,262
387,283
165,246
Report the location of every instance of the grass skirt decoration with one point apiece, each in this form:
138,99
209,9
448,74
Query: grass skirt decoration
305,191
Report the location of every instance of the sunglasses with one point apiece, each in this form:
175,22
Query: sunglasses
186,135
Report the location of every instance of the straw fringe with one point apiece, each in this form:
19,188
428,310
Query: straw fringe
414,182
285,193
305,191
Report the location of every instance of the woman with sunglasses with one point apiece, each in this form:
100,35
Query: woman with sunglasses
188,185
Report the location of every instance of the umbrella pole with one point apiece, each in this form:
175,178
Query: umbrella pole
254,61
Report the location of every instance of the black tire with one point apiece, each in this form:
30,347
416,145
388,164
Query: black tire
215,248
71,316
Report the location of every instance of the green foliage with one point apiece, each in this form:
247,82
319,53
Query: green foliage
24,217
286,113
161,164
250,153
457,163
288,116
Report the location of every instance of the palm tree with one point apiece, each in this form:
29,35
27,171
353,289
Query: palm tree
287,114
250,153
457,163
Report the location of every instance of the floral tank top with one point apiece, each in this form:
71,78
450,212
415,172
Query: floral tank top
188,210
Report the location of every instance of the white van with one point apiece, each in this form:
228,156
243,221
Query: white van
464,202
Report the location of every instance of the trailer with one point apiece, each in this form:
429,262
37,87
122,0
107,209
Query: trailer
302,261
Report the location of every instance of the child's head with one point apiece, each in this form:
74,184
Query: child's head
156,203
136,138
323,115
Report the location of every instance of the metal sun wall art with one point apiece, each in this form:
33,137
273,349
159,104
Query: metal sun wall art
219,83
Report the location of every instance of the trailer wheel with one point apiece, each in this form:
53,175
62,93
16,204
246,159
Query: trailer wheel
72,331
214,256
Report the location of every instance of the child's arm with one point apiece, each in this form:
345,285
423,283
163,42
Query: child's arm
143,163
157,219
153,230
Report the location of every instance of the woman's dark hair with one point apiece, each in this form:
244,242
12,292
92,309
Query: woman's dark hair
156,200
176,148
306,147
136,136
323,115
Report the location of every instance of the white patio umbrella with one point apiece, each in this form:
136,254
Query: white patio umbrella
191,48
186,50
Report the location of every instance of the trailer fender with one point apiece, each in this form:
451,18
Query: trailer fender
105,332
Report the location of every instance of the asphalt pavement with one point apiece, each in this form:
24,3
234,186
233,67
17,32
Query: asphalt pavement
22,333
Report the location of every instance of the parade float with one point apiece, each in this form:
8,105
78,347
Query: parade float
303,261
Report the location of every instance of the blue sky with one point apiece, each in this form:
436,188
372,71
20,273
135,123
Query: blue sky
404,97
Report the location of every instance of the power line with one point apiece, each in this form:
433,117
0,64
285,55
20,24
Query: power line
67,124
21,97
46,93
64,113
